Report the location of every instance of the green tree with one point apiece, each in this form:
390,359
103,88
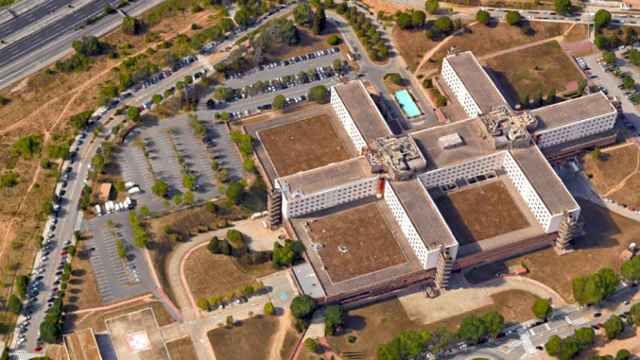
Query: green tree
472,329
160,188
122,252
563,7
630,269
418,18
235,192
333,40
623,354
569,348
613,327
130,25
243,18
312,345
28,146
319,22
602,18
444,25
585,336
395,78
9,179
494,323
601,41
319,94
133,113
22,282
334,318
553,345
202,304
513,17
14,304
628,82
302,15
431,6
302,306
634,312
609,57
279,102
542,308
269,309
483,17
403,20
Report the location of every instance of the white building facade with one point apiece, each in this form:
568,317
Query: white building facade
459,90
296,203
576,130
347,121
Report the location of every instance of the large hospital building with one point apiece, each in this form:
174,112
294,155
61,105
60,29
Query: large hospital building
379,212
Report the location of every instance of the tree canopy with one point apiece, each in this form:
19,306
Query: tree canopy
431,6
513,17
613,327
334,317
542,308
563,6
602,18
483,17
319,94
302,306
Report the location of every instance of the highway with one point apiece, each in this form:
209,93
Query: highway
31,16
46,44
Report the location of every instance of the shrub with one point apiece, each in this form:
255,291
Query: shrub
312,345
333,40
319,94
269,309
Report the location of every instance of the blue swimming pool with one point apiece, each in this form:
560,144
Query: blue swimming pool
409,107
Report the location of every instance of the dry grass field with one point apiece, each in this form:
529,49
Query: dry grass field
481,212
181,349
370,244
82,345
607,235
535,70
484,40
412,45
247,341
209,275
379,323
616,174
309,42
41,105
314,142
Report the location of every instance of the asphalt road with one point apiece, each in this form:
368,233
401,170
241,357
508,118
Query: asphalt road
30,16
50,43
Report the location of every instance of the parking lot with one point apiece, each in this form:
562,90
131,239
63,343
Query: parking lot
276,71
117,278
220,145
610,83
134,168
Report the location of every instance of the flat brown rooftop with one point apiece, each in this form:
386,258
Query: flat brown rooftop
566,112
482,211
292,144
476,142
477,82
355,247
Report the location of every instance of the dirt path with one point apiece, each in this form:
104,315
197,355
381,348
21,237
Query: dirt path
442,43
114,305
47,133
623,182
275,343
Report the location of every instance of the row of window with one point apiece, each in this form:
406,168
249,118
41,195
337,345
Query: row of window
576,131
